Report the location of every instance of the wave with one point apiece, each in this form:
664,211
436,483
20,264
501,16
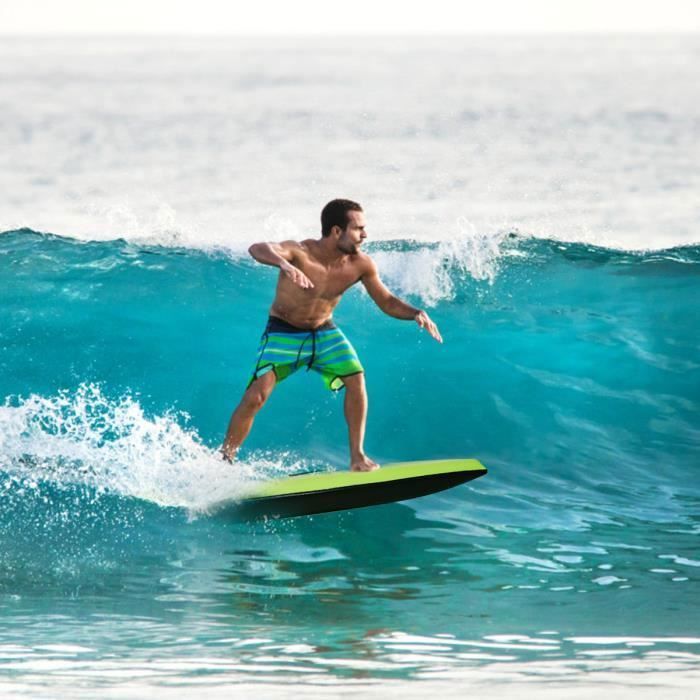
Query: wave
121,364
83,442
431,271
162,226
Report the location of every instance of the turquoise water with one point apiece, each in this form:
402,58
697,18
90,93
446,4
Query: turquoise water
572,372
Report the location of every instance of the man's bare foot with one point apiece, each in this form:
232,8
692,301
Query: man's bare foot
228,455
362,463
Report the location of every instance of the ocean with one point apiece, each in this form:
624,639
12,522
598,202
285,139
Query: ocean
537,195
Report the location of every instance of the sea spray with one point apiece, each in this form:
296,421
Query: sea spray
84,438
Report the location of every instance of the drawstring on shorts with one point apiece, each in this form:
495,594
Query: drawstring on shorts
313,350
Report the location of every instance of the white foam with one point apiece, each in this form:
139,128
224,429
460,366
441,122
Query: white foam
112,445
430,272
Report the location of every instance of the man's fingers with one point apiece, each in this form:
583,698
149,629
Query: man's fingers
299,278
424,321
433,330
304,281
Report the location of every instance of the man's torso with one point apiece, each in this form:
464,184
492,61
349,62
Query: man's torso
309,308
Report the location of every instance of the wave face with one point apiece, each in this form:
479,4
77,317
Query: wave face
571,371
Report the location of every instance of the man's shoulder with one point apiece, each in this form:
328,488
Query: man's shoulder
296,248
364,263
307,245
291,244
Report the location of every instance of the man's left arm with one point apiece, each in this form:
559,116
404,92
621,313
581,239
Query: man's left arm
391,304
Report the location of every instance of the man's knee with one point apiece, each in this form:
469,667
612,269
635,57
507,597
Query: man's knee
259,391
254,399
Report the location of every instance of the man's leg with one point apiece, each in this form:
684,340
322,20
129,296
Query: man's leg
356,416
242,418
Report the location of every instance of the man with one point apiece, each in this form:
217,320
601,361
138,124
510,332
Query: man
314,274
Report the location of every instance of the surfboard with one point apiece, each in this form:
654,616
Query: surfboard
325,492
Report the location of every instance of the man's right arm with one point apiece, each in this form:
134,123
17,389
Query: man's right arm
272,253
281,255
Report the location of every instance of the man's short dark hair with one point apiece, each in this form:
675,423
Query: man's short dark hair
335,213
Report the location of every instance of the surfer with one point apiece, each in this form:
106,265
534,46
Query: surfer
314,274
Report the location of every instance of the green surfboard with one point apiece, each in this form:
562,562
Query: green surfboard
325,492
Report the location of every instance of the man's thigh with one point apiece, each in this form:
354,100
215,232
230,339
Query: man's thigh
354,381
261,387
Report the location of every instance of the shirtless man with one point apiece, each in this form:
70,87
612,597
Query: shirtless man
314,274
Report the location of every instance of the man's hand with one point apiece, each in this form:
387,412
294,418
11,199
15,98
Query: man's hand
296,275
424,321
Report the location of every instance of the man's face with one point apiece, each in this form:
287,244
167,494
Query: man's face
354,234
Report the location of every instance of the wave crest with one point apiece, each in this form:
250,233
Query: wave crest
110,445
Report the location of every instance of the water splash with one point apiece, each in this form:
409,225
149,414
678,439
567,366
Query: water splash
433,272
111,445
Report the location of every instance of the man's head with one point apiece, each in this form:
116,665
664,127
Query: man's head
344,221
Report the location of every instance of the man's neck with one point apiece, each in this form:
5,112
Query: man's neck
327,252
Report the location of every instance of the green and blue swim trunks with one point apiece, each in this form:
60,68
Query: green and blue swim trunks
285,348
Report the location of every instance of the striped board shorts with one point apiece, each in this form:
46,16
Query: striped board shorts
285,348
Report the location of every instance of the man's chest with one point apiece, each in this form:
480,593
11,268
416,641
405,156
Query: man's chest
330,281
